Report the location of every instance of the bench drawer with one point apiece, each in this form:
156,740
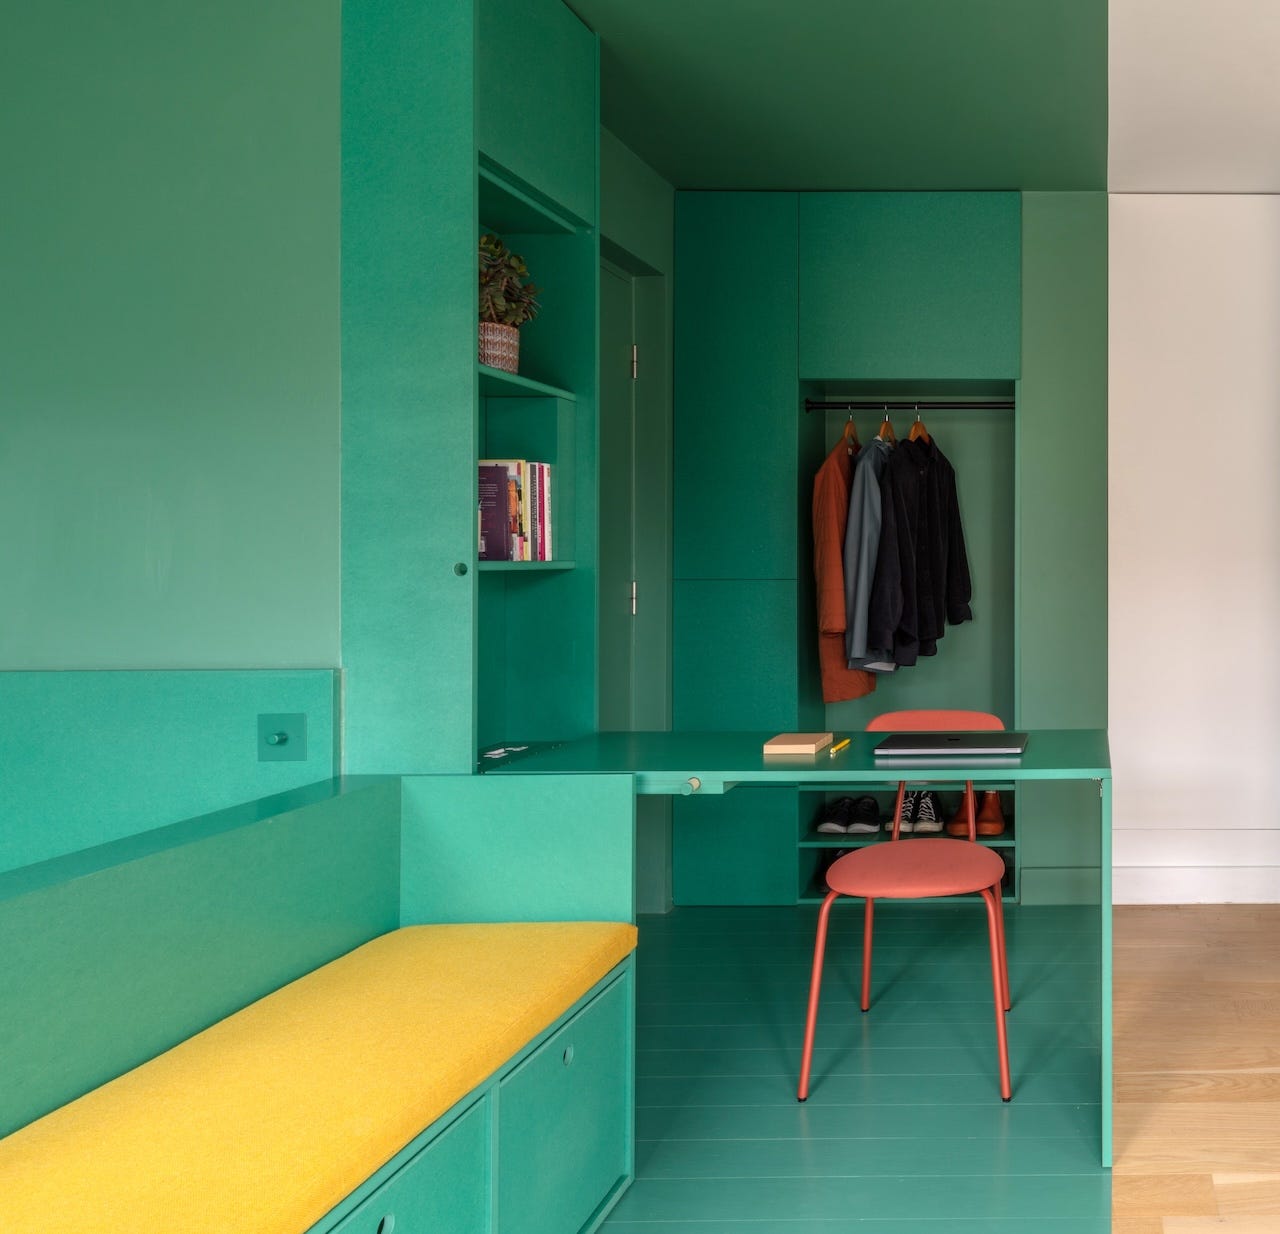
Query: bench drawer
564,1121
441,1190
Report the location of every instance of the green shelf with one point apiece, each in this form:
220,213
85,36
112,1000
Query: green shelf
516,567
816,839
494,383
510,206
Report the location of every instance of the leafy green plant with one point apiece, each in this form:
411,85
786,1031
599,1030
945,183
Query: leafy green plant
505,295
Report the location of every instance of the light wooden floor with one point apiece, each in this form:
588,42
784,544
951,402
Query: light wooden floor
1197,1064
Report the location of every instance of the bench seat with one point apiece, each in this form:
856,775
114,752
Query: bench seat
266,1120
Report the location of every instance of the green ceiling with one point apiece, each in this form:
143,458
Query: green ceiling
858,94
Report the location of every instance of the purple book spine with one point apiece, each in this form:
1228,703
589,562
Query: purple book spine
495,537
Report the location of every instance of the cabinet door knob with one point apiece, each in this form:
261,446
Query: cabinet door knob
459,568
387,1224
568,1055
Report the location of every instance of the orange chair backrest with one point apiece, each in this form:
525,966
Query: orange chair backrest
934,722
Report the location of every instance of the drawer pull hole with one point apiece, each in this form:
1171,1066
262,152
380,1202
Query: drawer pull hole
387,1224
568,1055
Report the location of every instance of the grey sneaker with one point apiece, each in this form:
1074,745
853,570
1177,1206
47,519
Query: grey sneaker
928,816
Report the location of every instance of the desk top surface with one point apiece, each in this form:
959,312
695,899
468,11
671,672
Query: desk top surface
1051,754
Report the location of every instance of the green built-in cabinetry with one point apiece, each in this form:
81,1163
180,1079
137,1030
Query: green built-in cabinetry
961,297
442,653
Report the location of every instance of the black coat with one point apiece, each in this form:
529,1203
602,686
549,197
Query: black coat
922,572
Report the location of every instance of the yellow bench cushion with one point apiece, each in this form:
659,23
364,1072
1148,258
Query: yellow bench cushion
264,1121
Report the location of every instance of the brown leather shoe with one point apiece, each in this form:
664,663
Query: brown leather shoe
990,819
990,816
958,825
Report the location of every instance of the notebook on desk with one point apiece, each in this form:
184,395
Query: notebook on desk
928,745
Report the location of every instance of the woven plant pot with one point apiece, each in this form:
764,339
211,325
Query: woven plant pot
500,346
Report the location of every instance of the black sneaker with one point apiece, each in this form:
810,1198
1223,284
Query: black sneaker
836,816
865,816
928,816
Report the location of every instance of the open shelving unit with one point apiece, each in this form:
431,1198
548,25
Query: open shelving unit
535,620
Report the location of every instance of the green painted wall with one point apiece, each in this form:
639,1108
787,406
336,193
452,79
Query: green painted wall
93,757
140,943
169,336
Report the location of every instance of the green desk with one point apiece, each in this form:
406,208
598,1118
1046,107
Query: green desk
714,762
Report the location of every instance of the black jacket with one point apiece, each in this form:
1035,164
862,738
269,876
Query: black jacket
922,572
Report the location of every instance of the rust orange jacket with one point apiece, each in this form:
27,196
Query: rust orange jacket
830,515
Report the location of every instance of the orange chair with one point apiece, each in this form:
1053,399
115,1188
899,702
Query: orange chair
902,871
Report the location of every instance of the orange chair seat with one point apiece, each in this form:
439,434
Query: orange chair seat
916,869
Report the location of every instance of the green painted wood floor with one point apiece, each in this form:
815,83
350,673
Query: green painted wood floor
904,1130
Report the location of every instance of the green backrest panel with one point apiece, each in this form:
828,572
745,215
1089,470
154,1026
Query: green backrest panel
113,955
536,97
734,659
169,336
518,848
1062,463
409,384
93,757
909,285
736,404
973,669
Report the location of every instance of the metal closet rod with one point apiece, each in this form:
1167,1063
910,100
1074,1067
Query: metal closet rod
872,404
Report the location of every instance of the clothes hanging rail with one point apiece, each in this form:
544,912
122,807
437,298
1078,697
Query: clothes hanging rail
870,404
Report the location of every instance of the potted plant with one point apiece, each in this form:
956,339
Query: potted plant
507,301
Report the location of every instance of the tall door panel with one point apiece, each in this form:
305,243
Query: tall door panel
617,505
408,386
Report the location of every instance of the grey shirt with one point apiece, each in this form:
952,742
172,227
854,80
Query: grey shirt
861,549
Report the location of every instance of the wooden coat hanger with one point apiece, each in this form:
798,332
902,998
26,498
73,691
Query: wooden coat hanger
885,432
850,435
918,430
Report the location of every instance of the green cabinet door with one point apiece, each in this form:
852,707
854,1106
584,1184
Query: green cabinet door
737,417
536,98
564,1122
910,286
444,1189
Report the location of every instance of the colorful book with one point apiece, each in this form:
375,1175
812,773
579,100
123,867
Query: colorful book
494,530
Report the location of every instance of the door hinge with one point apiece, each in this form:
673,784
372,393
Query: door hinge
634,361
633,597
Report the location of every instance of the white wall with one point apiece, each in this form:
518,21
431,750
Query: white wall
1194,481
1193,96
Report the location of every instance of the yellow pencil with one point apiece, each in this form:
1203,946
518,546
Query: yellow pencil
840,745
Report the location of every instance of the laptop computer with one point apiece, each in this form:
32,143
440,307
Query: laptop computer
912,745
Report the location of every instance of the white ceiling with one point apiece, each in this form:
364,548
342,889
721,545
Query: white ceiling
1194,96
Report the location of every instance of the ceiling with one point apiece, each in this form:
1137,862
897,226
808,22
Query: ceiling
858,94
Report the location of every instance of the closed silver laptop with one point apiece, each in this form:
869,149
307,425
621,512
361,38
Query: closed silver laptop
929,745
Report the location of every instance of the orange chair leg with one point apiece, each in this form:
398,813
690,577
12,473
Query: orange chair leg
1004,949
868,920
897,809
998,987
970,811
815,987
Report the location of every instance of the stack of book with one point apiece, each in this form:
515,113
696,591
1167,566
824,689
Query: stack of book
515,510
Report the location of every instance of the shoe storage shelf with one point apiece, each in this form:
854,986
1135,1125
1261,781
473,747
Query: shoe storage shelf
816,850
